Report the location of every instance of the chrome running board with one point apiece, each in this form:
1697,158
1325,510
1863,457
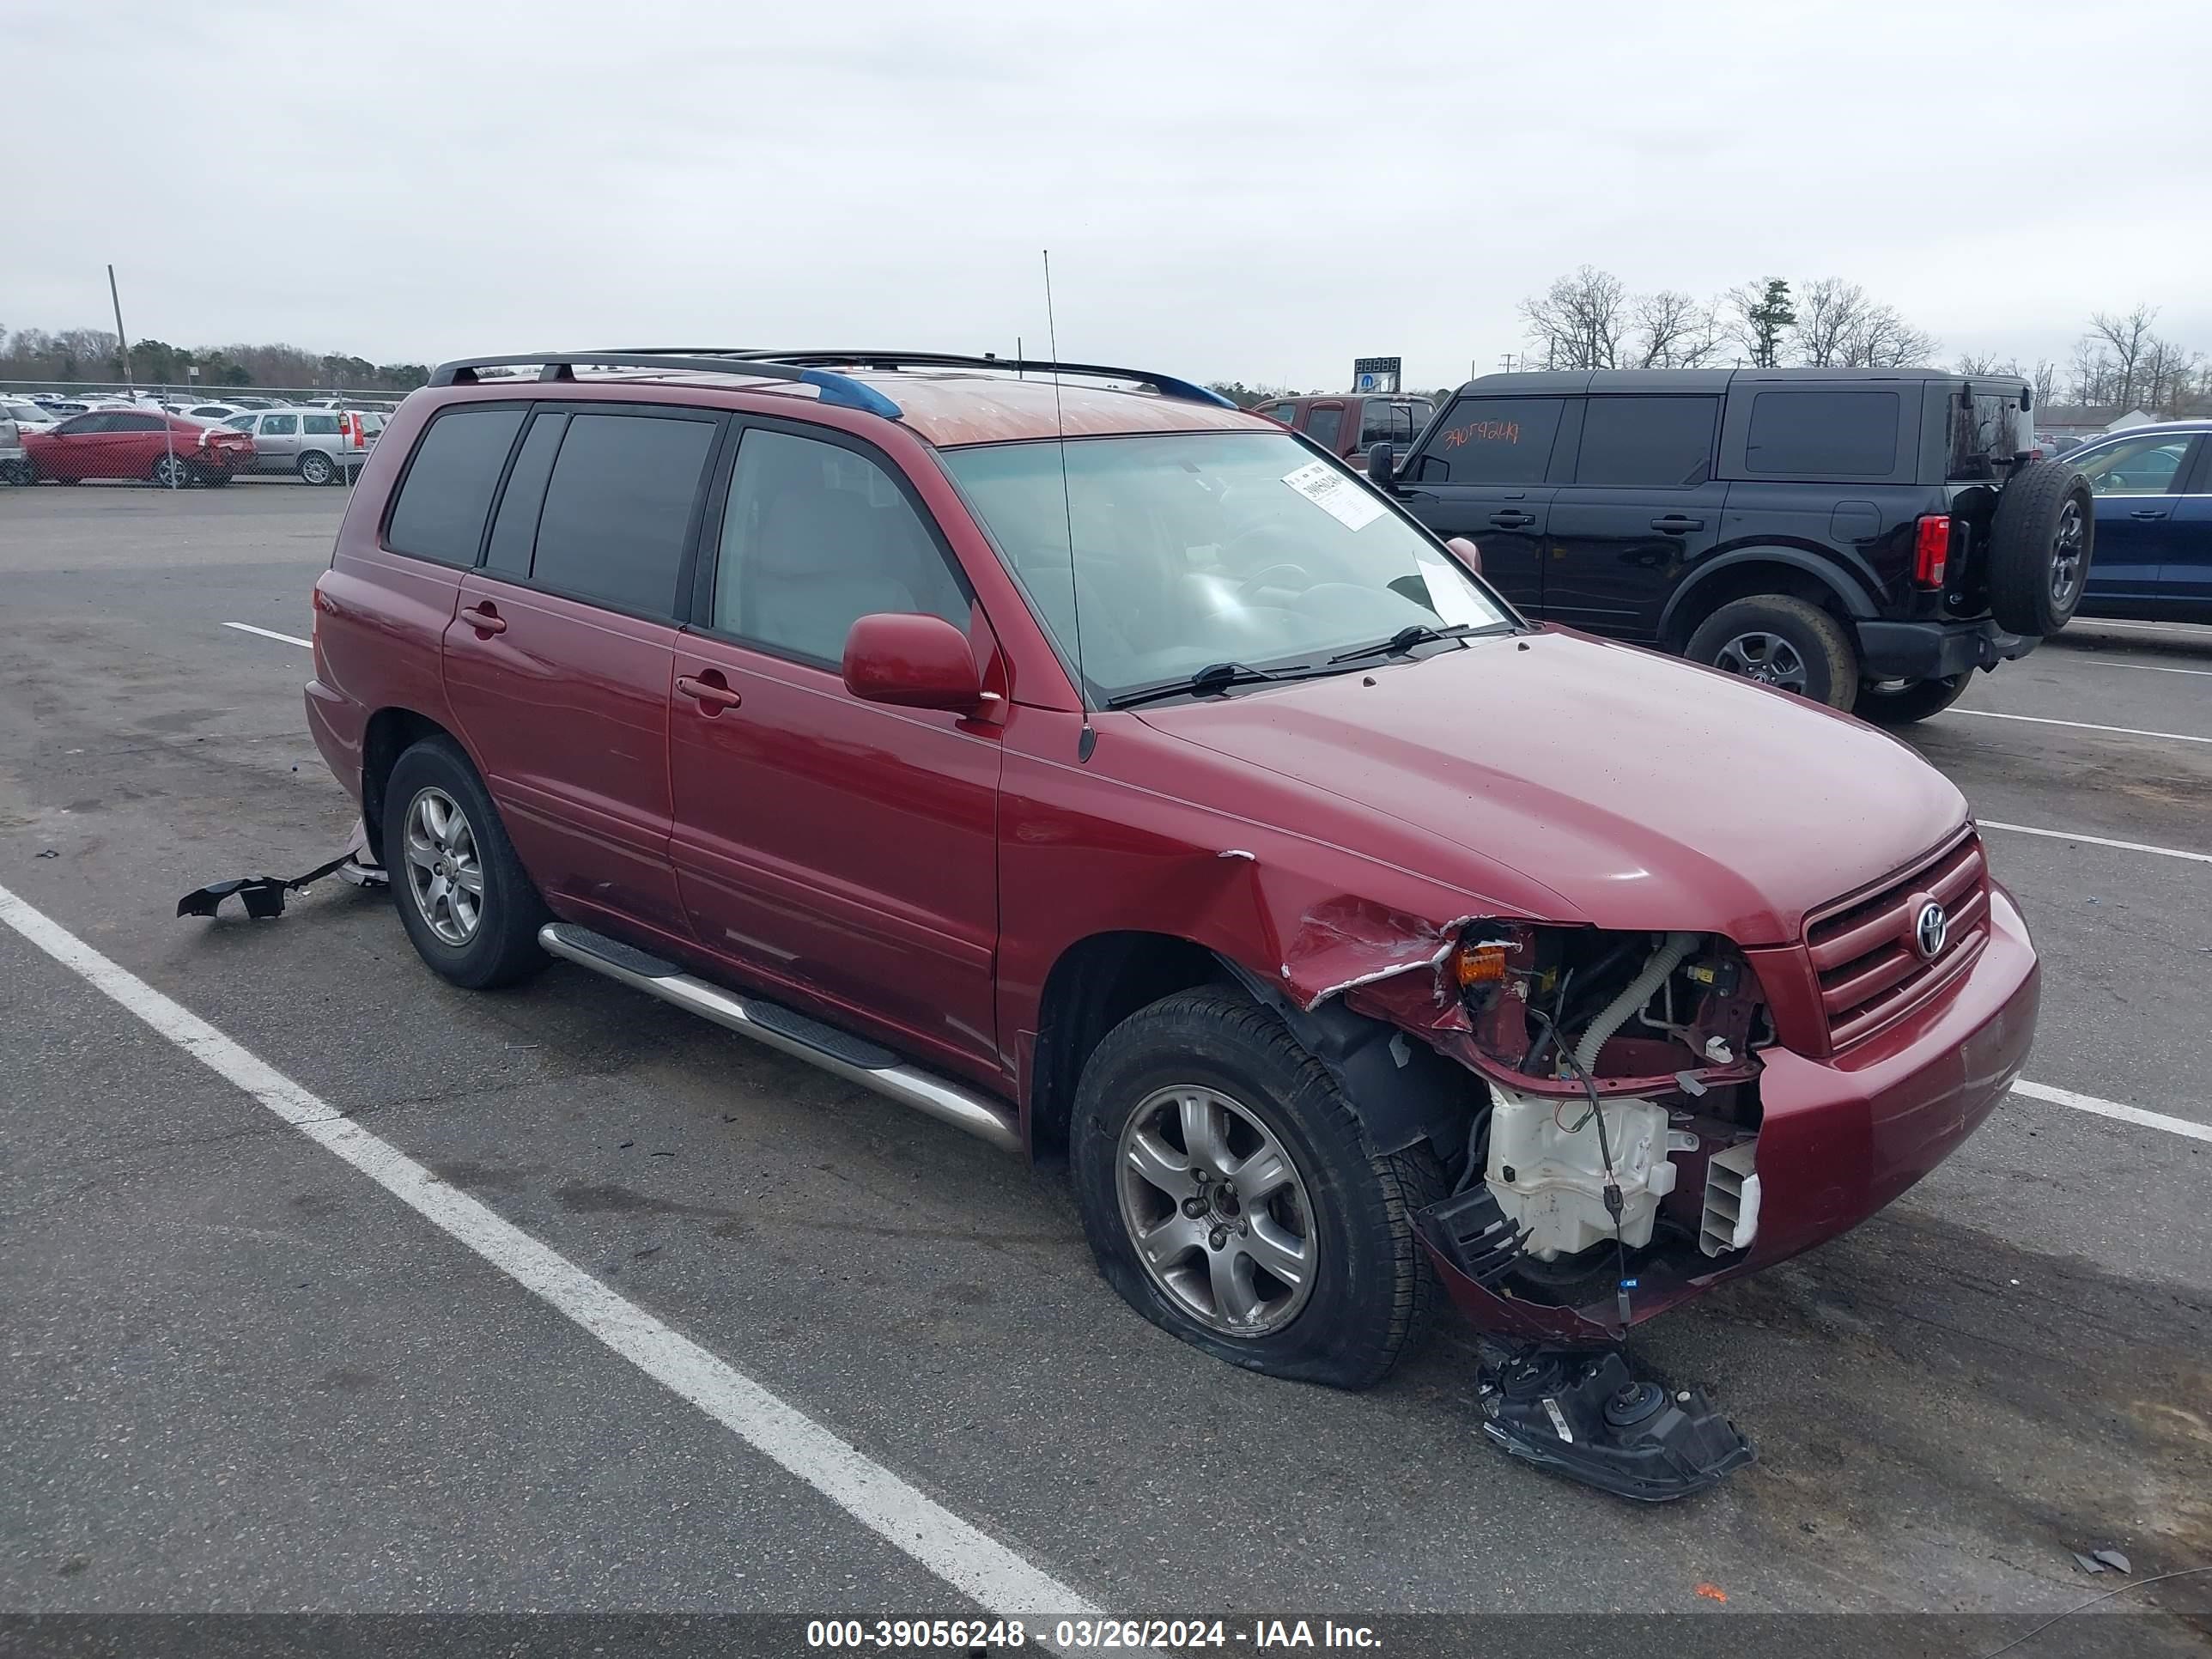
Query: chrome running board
855,1058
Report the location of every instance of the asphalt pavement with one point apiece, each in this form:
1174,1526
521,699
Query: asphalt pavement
237,1374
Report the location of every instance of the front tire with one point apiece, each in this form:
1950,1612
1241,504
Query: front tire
1785,642
468,905
1893,702
1230,1195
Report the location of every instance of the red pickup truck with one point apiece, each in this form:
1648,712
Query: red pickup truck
1347,423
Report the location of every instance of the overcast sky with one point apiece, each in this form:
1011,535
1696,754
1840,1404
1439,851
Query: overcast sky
1254,190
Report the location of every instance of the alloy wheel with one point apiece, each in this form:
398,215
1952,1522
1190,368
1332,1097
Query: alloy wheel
1216,1210
443,873
2066,557
1767,658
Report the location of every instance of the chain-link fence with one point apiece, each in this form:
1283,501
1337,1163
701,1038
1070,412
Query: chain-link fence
177,437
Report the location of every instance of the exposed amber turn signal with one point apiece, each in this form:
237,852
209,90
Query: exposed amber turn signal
1479,964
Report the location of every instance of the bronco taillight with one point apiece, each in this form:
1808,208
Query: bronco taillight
1931,550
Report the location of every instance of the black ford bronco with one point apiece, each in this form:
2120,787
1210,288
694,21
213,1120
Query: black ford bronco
1866,538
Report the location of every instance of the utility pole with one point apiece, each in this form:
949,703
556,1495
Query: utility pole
1507,361
122,340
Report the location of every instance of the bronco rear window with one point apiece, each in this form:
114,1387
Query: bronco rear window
1823,434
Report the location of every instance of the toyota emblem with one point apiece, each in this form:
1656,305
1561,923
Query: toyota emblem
1929,929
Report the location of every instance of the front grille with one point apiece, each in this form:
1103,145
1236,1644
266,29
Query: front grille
1864,950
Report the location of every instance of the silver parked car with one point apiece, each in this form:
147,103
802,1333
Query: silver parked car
321,444
15,466
28,415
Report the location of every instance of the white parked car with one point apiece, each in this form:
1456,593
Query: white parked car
28,415
321,444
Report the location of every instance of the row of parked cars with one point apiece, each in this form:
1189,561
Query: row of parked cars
68,440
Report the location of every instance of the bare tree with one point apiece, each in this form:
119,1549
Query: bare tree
1580,321
2168,376
1978,364
2127,337
1672,331
1827,312
2045,381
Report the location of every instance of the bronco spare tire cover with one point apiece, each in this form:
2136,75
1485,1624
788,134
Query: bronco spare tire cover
2040,544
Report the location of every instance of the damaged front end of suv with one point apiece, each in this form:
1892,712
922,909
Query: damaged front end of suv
1603,1156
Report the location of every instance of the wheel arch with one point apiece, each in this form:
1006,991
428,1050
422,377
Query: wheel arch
1094,984
1402,1091
389,735
1751,570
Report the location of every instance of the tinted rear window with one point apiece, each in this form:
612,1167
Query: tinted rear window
1648,442
1493,441
1322,426
618,509
442,502
1813,435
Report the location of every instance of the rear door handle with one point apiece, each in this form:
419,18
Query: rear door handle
1675,524
2147,513
709,691
484,618
1512,520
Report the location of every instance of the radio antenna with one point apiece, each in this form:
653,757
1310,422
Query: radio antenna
1088,738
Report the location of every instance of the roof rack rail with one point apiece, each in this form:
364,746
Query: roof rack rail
840,390
1168,385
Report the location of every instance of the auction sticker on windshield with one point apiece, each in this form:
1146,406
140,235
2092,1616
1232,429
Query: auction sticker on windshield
1334,494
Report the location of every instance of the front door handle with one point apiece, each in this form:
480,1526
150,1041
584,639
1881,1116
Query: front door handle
2147,513
484,618
1509,520
1675,523
709,691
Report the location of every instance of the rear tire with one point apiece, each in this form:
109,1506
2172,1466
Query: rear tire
18,473
1889,703
1781,641
170,473
2040,544
1337,1212
469,906
315,468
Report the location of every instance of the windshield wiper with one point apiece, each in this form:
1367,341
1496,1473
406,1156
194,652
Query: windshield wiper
1405,640
1214,677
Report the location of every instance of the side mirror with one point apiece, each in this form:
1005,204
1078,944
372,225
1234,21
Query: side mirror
1470,555
912,661
1382,466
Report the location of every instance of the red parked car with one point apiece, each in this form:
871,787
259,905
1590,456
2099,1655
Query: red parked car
138,443
1096,767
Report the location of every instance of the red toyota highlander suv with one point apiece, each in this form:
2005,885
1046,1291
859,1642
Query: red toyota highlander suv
1072,756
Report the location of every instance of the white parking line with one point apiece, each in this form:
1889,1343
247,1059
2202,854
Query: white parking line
2112,1109
271,634
2096,841
2146,667
2184,629
970,1561
2079,725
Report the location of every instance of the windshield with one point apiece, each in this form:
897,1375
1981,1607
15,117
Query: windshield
1195,549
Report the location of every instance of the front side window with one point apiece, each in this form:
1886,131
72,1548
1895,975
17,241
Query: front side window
280,426
1650,443
814,537
440,512
617,511
1493,440
1190,550
2148,465
1324,421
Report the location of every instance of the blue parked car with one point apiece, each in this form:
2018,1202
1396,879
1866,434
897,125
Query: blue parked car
2154,546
